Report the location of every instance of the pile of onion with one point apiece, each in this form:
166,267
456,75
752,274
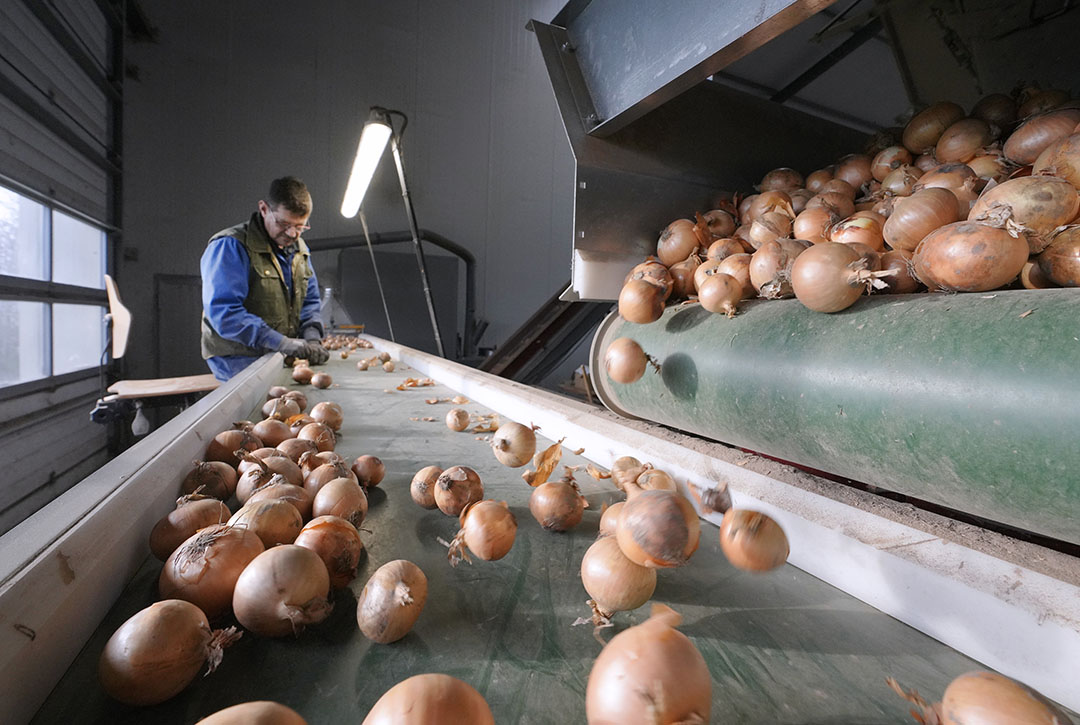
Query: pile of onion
391,601
488,530
158,652
281,591
648,674
431,698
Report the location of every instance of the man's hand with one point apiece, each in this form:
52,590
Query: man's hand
311,334
316,353
293,347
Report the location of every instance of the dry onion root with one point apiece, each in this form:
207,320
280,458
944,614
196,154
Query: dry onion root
752,541
650,674
391,601
257,712
430,698
281,591
158,652
488,530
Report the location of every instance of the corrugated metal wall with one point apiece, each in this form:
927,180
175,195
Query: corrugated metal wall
59,97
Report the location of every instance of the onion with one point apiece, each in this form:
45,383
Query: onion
369,470
422,488
915,216
719,222
329,414
830,277
839,186
1032,137
275,521
1060,261
272,431
682,276
322,380
362,365
320,434
224,445
957,178
276,391
297,423
624,361
723,248
192,512
855,169
384,357
678,241
782,179
799,197
997,109
903,280
278,488
1061,159
969,257
293,448
1032,207
962,140
341,497
257,712
768,227
813,224
158,652
298,397
705,269
1031,277
859,230
309,462
770,267
658,529
818,179
738,266
282,591
720,293
488,529
922,132
204,569
614,583
625,470
273,463
302,374
888,160
1038,100
752,541
427,699
765,202
987,697
653,479
391,602
649,674
557,505
211,478
609,519
990,165
456,488
641,302
514,444
832,201
653,272
280,408
901,182
338,544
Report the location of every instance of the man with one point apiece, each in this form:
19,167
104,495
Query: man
259,290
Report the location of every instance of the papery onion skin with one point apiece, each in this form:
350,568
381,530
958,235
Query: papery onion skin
888,160
653,272
457,419
615,583
257,712
817,179
296,447
658,529
322,380
969,257
682,276
813,224
272,431
649,674
428,699
770,267
422,487
302,374
328,413
752,541
322,435
204,569
156,653
338,544
391,601
281,591
782,179
226,442
978,698
855,169
720,223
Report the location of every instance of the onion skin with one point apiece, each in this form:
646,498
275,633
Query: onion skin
429,699
557,505
682,276
770,267
888,160
391,601
181,523
996,109
649,674
615,583
813,224
855,169
281,591
258,712
915,216
752,541
817,179
1032,206
969,257
204,569
158,652
658,529
721,223
302,374
979,698
338,544
1060,261
654,273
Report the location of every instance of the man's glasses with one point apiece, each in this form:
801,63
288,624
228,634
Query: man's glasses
298,228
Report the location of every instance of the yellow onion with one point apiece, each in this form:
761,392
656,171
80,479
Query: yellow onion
913,217
678,241
488,530
422,487
1031,206
557,505
962,140
257,712
514,444
338,544
191,514
429,699
720,293
770,267
903,280
987,697
281,591
641,302
456,488
922,132
969,257
615,583
609,520
1032,137
1060,159
653,272
738,266
888,160
391,601
1060,261
275,521
204,569
752,541
658,529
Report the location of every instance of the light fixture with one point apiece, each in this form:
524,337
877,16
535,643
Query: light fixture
378,131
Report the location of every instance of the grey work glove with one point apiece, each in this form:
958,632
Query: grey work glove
311,334
316,353
293,347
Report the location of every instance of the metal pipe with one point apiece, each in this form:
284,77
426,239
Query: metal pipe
375,269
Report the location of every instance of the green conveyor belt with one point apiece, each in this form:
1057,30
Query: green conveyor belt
782,647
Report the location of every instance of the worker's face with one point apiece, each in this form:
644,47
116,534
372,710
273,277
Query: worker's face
283,226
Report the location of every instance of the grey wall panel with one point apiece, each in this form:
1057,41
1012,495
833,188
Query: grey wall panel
37,158
177,306
87,23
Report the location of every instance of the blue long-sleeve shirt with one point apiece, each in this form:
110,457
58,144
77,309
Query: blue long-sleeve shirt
224,267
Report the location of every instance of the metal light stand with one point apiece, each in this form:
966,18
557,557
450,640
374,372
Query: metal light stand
375,268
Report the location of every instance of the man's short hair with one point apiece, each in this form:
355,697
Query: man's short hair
291,193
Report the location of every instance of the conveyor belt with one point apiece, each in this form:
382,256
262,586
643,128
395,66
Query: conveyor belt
781,647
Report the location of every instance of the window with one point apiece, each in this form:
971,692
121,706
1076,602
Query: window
49,330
